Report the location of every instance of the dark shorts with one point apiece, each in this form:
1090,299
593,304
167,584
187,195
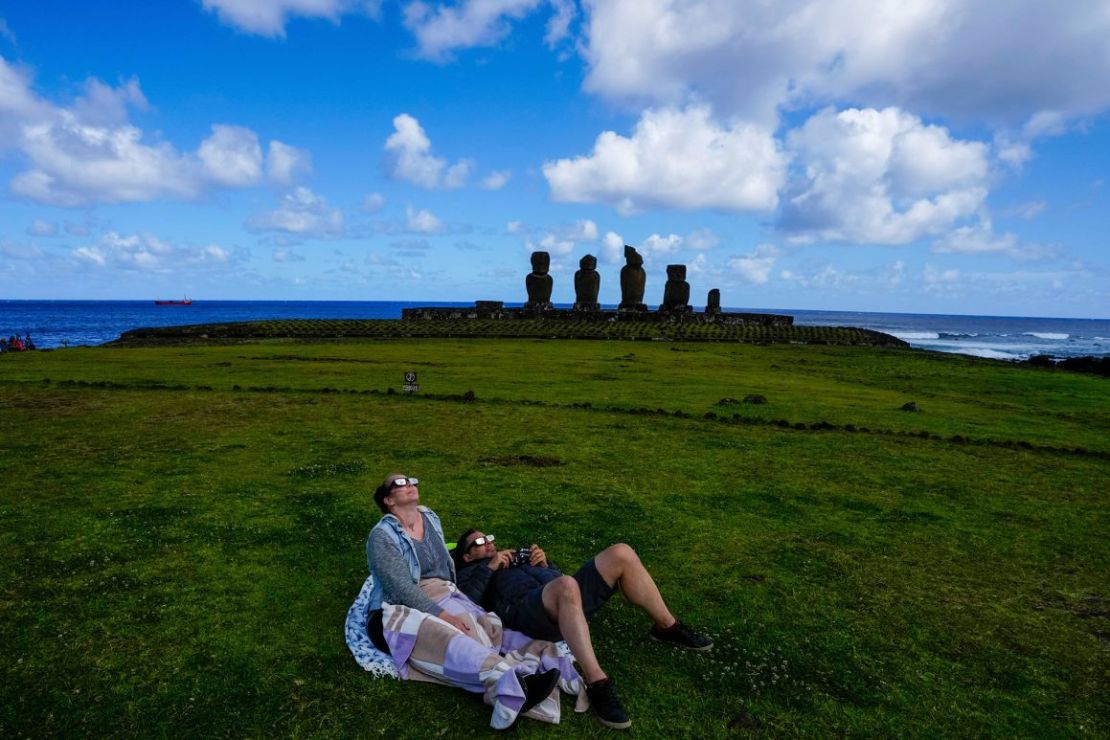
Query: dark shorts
531,618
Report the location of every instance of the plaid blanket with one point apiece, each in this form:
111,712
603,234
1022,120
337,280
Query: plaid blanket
488,660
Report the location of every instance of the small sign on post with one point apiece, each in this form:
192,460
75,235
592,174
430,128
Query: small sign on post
410,385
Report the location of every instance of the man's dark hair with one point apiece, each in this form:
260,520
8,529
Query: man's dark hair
461,548
380,493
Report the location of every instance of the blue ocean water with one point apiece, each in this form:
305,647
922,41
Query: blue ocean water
70,323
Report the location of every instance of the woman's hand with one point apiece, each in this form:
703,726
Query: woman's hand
457,622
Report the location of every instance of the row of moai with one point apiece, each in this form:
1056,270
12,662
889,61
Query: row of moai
587,285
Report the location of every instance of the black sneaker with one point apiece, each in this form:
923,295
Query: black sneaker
606,705
537,687
682,636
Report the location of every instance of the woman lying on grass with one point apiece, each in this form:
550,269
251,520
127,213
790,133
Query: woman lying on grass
421,620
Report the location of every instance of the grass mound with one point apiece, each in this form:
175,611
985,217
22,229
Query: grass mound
522,328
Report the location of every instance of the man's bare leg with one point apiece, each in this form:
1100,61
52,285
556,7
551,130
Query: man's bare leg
620,566
563,602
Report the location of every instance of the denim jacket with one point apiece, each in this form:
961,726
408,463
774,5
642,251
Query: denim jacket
396,531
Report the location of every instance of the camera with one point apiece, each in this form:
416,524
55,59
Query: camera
523,556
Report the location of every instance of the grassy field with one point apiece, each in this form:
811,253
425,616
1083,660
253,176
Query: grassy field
183,531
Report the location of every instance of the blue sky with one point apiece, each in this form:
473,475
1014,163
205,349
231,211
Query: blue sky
937,156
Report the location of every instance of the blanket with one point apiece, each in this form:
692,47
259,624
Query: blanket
488,660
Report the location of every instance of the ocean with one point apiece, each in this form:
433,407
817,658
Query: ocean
72,323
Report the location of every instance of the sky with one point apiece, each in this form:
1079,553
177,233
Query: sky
923,156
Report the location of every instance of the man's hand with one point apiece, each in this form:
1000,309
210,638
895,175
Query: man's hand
539,557
502,559
456,622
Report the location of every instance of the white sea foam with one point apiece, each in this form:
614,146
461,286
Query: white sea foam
1046,335
911,335
990,354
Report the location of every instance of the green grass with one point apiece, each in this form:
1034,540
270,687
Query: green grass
179,555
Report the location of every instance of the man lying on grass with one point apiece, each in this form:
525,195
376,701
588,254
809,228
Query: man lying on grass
532,596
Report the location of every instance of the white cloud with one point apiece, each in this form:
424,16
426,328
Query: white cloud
268,17
104,105
496,180
7,32
702,239
215,253
934,277
994,60
284,163
656,245
409,158
89,152
1015,149
612,248
558,25
232,156
75,164
584,231
1029,210
19,251
373,203
560,242
675,159
40,227
981,239
441,29
514,227
829,278
423,221
755,267
285,255
300,212
551,244
18,104
145,252
880,177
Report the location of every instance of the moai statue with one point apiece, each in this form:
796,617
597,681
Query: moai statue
633,281
713,302
587,283
539,283
676,293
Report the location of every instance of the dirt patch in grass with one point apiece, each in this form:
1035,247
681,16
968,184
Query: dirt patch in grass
531,461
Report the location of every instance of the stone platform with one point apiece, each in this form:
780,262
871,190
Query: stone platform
497,310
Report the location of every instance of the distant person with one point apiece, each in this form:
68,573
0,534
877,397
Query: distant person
534,597
27,343
3,345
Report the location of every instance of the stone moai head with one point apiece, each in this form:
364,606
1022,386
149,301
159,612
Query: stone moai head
713,301
632,258
541,262
589,262
676,272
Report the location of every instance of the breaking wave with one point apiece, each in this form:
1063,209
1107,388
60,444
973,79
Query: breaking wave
911,335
